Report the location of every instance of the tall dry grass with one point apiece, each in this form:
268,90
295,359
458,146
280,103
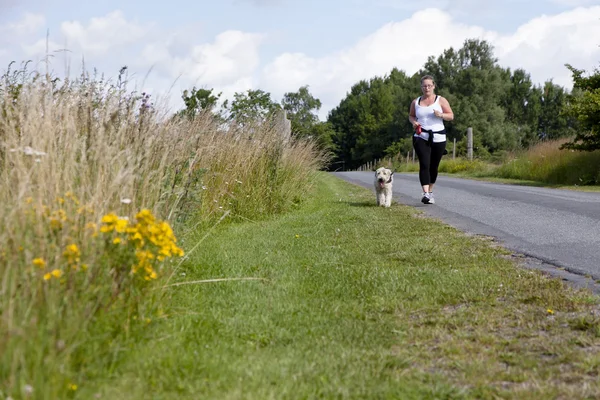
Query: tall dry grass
547,163
92,179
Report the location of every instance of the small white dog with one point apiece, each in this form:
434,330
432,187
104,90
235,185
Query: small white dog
384,178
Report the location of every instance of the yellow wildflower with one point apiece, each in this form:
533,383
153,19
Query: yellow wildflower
72,386
117,240
121,225
72,254
85,209
110,218
39,262
143,255
137,237
145,215
91,225
71,196
151,275
177,251
57,273
57,218
109,221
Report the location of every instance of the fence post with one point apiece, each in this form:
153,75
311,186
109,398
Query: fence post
470,143
454,150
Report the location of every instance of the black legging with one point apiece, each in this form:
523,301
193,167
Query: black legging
429,156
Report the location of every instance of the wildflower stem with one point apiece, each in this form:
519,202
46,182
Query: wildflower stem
213,280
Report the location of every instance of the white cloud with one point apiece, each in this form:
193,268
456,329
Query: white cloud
7,4
231,61
541,47
261,3
103,34
29,24
405,45
16,36
158,61
574,3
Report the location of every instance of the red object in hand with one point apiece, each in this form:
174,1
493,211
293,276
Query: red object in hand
418,129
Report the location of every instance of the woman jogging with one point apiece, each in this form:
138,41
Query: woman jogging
427,115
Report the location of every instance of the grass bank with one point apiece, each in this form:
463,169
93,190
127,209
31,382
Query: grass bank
97,182
354,301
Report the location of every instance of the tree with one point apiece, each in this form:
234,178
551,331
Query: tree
363,122
198,101
553,122
585,107
301,109
522,106
253,106
324,134
504,108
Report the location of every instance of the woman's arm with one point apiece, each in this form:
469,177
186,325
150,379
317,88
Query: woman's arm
447,114
412,116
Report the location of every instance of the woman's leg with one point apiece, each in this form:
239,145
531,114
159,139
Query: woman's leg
437,151
423,152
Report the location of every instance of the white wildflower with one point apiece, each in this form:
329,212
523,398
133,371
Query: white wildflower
126,201
32,152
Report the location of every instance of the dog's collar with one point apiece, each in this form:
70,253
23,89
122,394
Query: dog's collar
389,180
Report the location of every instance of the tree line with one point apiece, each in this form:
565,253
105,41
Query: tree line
506,110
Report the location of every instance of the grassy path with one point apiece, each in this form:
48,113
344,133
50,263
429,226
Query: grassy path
360,302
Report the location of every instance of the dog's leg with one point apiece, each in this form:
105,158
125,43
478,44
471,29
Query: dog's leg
388,198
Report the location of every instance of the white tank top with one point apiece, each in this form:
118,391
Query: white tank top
429,121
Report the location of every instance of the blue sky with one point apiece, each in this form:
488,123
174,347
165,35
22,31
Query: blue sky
280,45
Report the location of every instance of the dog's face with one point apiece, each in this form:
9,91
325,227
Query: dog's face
384,176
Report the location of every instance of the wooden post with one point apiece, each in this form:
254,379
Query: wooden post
470,143
454,150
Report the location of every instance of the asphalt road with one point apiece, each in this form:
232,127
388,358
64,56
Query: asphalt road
554,230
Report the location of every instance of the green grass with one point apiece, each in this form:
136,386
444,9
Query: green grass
357,301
